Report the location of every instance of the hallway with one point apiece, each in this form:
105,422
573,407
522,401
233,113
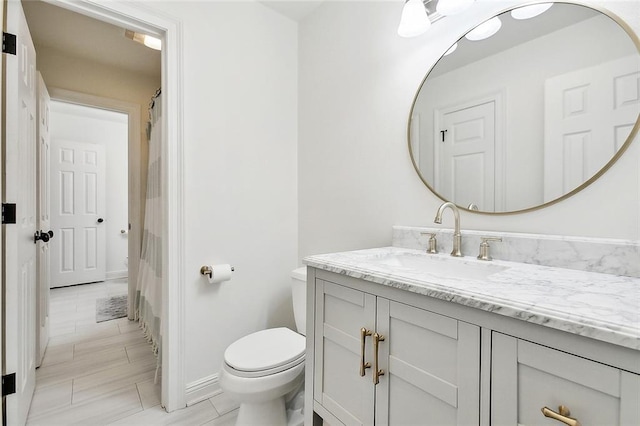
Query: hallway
103,373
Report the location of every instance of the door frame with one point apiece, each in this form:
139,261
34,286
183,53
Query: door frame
134,166
3,62
139,17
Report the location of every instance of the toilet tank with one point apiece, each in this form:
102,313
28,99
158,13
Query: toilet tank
299,297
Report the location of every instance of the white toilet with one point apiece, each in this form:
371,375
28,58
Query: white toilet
265,369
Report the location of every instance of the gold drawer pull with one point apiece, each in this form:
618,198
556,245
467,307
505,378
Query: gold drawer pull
363,336
377,338
562,415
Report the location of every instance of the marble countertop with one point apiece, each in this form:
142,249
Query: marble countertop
600,306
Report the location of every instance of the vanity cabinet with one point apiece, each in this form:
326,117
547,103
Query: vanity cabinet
443,363
526,377
378,361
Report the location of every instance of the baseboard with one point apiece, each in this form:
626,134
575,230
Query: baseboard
116,275
202,389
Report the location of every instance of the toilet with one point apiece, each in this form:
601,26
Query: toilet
264,371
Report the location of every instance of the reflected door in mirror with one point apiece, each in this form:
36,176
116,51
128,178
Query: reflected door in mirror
588,115
465,154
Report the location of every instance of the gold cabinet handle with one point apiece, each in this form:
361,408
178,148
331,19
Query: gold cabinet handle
562,415
377,338
363,336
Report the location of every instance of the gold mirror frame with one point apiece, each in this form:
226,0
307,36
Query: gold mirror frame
634,131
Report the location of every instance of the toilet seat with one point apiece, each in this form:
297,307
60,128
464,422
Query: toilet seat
265,352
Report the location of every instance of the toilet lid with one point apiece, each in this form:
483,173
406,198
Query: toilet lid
266,350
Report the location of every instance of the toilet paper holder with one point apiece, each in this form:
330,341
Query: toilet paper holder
208,270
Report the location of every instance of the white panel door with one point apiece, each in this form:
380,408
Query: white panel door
77,213
20,188
588,114
465,146
44,219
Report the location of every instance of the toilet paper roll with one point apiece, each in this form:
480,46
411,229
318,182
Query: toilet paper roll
220,273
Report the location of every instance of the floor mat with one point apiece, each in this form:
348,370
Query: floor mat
110,308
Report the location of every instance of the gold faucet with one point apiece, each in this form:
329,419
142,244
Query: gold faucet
457,237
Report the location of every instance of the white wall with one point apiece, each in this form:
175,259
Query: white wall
356,180
240,131
110,129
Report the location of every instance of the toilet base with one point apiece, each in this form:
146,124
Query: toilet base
262,399
262,413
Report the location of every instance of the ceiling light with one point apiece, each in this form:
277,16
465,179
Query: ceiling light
418,15
531,11
414,20
153,42
484,30
452,7
147,40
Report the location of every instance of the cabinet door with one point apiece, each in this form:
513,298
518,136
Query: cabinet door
340,314
431,368
525,377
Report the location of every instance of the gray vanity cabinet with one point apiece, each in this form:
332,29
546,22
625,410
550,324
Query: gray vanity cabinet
443,363
526,377
428,364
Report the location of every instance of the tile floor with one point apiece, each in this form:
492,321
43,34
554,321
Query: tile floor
103,373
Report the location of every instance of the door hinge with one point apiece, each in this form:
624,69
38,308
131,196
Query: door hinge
9,43
9,384
8,213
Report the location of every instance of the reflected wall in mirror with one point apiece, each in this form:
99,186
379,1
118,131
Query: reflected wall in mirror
534,113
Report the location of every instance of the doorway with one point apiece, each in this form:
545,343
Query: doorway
79,81
154,22
134,161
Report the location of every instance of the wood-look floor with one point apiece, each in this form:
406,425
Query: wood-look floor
103,373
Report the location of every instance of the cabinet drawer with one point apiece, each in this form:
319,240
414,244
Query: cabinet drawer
527,377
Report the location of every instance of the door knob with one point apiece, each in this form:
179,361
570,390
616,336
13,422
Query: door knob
100,220
41,235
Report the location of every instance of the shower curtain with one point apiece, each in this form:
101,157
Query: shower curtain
149,285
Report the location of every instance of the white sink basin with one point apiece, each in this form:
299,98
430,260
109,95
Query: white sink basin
445,267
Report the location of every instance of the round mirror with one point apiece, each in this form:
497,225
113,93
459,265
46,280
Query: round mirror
531,114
